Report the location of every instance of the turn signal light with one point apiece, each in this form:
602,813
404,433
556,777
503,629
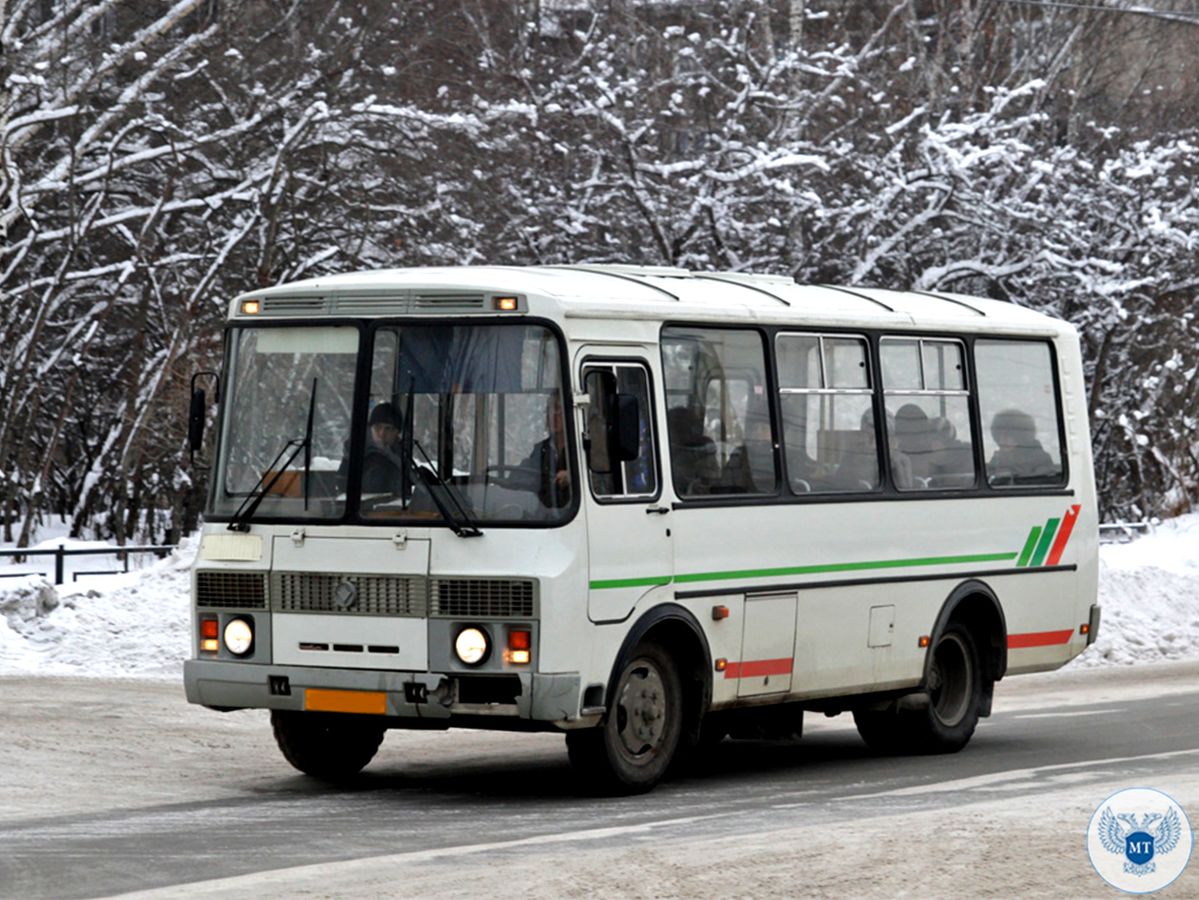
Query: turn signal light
519,640
1084,628
208,627
719,612
924,640
721,664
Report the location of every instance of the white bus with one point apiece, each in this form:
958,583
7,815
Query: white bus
644,507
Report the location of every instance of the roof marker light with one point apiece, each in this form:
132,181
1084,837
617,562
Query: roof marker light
251,307
507,304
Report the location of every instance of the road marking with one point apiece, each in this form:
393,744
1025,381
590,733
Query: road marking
995,778
220,887
1066,715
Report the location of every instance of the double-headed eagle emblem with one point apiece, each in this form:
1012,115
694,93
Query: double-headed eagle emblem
1139,842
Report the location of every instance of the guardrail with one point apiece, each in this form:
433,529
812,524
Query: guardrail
1123,532
60,555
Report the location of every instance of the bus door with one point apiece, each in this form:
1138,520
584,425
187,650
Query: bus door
627,524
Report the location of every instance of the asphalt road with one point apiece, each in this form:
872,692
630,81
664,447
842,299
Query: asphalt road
117,786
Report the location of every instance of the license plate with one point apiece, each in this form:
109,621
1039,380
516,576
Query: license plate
317,700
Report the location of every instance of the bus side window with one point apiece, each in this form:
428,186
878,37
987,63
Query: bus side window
828,413
718,412
629,478
928,413
1020,419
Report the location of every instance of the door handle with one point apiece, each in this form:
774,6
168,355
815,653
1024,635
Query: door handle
657,510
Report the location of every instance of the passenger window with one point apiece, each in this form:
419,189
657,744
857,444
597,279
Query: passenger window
1019,413
718,415
929,438
631,478
828,414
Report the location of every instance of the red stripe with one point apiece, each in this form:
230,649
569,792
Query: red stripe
1063,535
756,668
1039,638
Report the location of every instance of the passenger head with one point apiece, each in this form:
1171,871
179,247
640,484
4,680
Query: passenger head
384,425
1013,428
912,427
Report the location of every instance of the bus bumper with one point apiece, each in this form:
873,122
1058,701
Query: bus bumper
544,697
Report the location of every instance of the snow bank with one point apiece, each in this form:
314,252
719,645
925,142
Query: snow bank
1149,591
136,625
109,626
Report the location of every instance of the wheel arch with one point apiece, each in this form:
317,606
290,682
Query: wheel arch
976,605
678,631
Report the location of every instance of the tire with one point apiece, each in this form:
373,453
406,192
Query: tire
947,721
634,747
329,746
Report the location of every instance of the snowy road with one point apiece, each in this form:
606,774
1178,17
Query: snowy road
119,786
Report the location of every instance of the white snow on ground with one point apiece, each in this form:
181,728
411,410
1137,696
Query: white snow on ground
133,624
136,625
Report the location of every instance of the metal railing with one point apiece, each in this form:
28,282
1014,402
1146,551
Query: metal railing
1123,532
60,555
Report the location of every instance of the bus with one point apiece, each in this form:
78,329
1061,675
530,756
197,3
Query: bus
646,508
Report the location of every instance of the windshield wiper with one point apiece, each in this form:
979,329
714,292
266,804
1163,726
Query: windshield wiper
245,512
461,525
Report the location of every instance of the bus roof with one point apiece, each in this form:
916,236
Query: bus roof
637,292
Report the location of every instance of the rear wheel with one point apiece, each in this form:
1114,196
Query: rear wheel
943,724
633,748
328,746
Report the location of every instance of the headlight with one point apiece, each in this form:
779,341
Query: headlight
239,637
472,646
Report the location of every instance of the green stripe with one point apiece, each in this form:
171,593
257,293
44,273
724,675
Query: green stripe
805,570
1026,553
1046,540
630,582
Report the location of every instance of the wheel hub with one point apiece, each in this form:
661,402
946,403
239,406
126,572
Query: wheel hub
641,710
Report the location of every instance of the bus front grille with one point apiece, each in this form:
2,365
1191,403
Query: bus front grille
369,595
471,597
231,590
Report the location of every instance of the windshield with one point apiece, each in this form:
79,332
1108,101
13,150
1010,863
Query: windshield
274,376
465,420
479,408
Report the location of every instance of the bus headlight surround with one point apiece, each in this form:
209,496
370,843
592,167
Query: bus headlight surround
239,637
472,646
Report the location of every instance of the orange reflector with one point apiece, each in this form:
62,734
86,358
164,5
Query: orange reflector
924,639
346,701
506,304
519,657
208,628
210,645
721,664
251,307
1084,628
719,612
519,640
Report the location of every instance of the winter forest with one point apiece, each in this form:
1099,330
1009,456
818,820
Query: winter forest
161,157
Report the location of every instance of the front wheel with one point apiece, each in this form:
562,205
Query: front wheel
328,746
943,724
633,748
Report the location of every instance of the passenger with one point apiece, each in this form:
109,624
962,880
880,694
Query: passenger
549,458
692,453
953,460
751,466
1020,456
858,470
914,435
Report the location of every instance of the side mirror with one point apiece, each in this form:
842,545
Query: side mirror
624,428
195,420
197,413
